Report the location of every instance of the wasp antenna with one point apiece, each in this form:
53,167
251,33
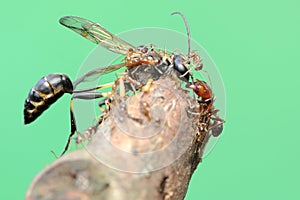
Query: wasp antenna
187,30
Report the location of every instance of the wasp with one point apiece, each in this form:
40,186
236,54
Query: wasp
51,87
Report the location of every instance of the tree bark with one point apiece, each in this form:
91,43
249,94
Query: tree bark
147,147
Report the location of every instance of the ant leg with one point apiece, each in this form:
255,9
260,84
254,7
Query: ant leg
159,71
197,61
217,127
122,94
188,72
122,90
134,84
147,87
144,106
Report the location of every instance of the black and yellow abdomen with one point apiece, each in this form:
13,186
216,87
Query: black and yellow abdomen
44,93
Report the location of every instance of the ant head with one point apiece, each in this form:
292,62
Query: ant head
201,89
142,48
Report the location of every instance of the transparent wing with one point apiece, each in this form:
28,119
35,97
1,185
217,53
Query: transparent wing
96,34
96,73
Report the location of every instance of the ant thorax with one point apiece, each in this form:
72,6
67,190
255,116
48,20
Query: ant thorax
142,56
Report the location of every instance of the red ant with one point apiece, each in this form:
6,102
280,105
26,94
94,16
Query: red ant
209,119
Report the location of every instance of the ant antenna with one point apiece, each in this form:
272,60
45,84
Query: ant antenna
187,31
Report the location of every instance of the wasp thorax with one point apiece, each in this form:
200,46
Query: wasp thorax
179,66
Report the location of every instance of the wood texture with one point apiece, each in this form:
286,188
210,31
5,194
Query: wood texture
153,157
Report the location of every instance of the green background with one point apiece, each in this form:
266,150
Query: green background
255,45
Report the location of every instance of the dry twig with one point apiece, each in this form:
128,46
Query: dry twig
150,158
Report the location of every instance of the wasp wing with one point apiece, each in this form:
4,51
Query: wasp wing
96,34
96,73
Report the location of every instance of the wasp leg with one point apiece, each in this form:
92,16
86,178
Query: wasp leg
102,102
73,128
94,74
107,85
91,95
83,95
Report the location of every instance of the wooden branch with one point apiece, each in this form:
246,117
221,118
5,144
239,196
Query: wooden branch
146,148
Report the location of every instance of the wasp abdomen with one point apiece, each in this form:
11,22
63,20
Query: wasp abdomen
44,93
